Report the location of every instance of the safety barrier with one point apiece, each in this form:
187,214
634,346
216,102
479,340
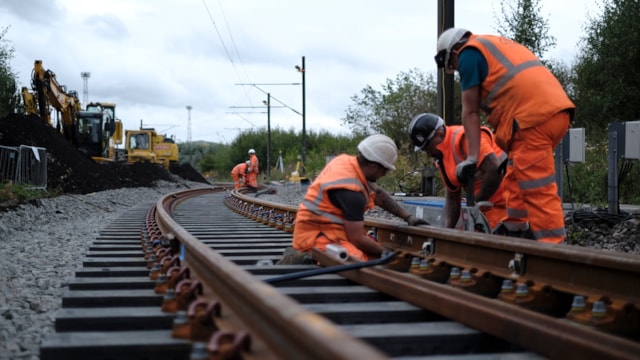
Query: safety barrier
8,162
24,164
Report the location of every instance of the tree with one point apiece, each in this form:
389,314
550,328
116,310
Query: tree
608,68
522,22
9,96
389,110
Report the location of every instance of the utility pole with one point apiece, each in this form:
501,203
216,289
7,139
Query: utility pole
268,103
304,128
85,92
189,123
444,97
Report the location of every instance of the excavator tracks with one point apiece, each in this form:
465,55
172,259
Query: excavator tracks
195,276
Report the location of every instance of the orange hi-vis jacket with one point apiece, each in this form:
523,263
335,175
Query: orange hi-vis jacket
454,151
538,95
317,216
239,173
252,171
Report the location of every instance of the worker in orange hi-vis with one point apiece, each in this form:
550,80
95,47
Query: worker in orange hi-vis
252,171
447,146
529,112
334,205
239,174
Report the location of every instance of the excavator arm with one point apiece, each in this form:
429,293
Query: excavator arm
48,92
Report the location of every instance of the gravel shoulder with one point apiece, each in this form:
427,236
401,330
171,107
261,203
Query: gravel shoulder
41,247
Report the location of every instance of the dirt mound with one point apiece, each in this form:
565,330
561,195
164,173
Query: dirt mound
188,172
70,171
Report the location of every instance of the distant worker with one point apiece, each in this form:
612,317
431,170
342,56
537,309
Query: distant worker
252,171
447,146
239,174
332,211
529,111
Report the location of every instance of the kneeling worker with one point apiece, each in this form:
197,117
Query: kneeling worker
332,211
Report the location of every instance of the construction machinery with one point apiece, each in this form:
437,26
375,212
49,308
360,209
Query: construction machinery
48,92
94,131
298,174
146,145
100,118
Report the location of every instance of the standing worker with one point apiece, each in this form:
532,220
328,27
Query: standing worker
332,211
239,174
448,147
529,111
252,171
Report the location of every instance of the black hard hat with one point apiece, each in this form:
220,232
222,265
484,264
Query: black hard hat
423,127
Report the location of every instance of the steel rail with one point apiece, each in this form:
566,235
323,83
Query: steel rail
596,275
572,269
284,325
506,321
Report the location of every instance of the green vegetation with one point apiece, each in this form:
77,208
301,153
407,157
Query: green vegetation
607,70
12,194
10,101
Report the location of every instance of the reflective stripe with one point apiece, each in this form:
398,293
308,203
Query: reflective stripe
549,233
538,183
512,71
314,204
454,137
512,226
517,213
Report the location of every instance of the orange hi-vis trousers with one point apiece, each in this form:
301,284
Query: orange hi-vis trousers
530,189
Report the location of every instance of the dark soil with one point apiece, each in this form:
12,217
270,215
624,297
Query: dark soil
71,171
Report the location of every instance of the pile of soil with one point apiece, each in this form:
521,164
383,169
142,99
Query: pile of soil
71,171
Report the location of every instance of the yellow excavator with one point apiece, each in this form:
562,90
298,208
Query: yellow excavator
94,131
48,92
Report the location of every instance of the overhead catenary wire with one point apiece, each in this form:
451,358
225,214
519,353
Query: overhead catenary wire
224,46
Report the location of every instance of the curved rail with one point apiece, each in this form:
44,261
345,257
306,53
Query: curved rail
203,289
288,328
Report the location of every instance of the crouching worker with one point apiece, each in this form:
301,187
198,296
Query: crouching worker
447,146
332,211
239,174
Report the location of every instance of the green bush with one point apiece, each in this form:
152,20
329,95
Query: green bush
588,182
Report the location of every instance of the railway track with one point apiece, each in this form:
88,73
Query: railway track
193,276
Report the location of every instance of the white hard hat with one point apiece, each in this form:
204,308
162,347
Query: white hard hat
381,149
248,162
251,151
447,41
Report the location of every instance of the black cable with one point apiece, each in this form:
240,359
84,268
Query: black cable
385,258
625,169
597,215
569,186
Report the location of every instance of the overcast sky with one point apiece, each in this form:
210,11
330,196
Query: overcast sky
154,57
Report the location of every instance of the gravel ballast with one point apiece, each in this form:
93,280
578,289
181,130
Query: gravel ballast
42,245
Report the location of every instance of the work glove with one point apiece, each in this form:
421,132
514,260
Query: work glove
414,221
466,170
